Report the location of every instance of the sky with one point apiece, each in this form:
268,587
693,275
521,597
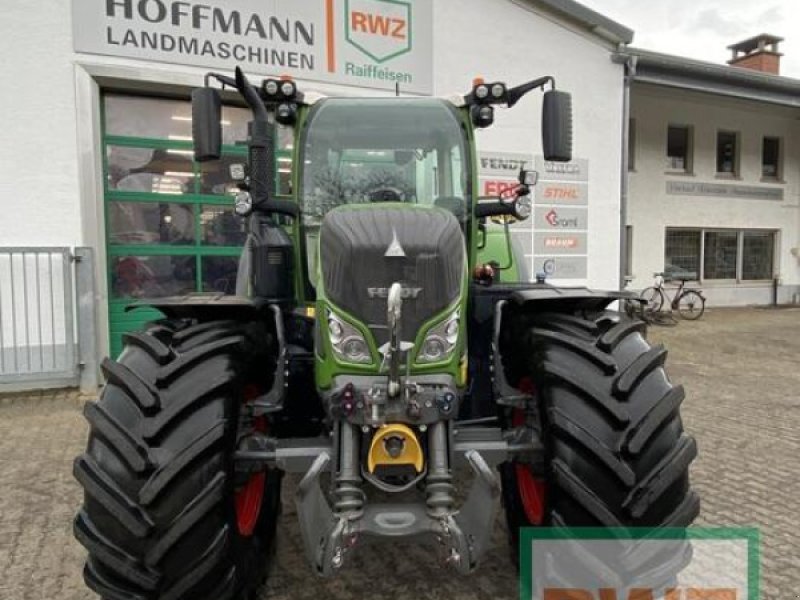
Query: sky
703,29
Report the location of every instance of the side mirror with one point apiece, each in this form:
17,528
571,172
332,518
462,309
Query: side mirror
557,126
206,124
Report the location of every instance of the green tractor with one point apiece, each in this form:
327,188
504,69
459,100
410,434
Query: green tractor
377,343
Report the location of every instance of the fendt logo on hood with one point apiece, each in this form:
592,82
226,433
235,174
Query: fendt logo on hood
383,292
381,29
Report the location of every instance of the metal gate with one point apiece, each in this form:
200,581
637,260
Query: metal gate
37,326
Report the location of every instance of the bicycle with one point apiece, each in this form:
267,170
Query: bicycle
689,302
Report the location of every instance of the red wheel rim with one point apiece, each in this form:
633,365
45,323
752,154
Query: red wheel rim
531,492
251,496
248,503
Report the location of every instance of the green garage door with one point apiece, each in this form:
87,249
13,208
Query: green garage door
170,226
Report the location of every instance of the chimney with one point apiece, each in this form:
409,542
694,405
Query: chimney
759,53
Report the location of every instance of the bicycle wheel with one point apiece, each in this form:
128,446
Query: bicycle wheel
691,305
653,299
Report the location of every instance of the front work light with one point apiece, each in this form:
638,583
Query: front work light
271,87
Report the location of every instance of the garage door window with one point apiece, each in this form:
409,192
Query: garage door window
170,226
728,255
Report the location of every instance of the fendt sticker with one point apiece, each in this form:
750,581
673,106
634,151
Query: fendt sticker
381,29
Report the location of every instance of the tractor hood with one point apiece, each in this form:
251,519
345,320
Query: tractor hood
365,249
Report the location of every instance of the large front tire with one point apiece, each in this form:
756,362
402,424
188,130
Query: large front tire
616,452
159,517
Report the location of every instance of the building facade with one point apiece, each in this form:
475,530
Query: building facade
714,175
97,128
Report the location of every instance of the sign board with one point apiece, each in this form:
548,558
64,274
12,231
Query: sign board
499,171
365,43
723,190
561,192
557,218
561,267
503,164
561,219
575,170
547,243
554,239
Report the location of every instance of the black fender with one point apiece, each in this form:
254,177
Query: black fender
547,298
204,307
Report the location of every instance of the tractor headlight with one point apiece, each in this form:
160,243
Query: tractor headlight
441,340
347,342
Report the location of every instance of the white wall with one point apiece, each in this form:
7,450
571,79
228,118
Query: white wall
38,156
651,210
511,42
50,177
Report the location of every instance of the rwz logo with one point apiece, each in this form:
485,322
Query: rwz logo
381,29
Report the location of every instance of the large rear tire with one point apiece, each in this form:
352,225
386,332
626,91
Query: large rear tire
160,517
616,452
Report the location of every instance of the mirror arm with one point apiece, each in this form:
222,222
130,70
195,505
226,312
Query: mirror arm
251,96
516,93
223,79
493,209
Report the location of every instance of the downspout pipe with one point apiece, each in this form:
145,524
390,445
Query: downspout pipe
629,66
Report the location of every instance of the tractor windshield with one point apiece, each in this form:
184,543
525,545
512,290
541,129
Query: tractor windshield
359,151
383,150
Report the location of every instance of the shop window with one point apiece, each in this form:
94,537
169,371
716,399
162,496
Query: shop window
134,223
682,251
727,153
742,255
219,274
771,158
679,148
220,226
215,176
758,248
151,170
161,118
134,277
720,254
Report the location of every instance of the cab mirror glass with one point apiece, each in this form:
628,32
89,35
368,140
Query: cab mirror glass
557,126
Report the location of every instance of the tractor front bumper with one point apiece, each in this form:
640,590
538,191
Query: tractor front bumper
461,534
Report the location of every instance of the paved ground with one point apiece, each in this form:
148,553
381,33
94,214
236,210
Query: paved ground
742,372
